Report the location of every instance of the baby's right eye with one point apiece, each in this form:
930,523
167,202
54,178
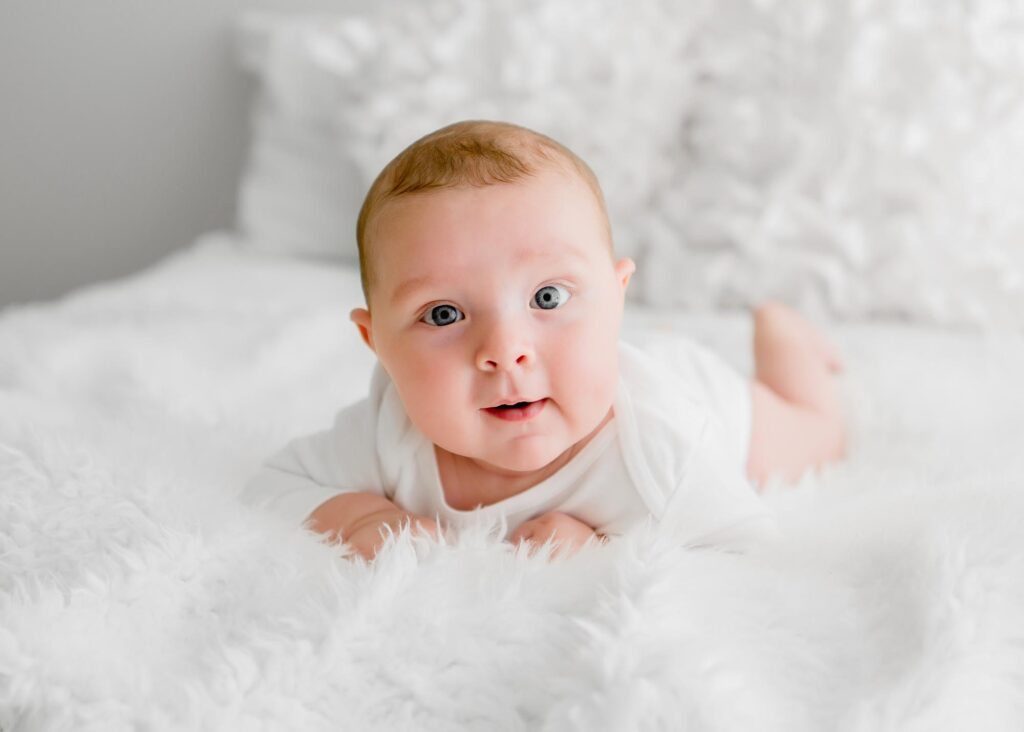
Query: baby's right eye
443,315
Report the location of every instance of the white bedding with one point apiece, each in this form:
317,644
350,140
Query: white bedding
136,591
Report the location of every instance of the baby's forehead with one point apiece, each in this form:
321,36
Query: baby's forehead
407,211
424,202
542,218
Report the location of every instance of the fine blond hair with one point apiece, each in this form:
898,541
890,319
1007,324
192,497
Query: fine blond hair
469,153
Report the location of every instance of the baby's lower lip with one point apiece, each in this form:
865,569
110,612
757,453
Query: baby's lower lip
518,414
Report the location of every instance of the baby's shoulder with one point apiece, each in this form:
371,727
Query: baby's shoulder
656,388
395,439
661,425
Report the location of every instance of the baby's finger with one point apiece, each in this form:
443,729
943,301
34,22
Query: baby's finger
519,539
523,532
522,535
428,527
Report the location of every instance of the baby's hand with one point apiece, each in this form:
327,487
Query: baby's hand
368,535
569,533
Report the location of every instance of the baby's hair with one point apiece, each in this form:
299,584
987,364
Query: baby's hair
468,153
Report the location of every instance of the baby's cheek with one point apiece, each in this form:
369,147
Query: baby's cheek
423,400
441,408
587,381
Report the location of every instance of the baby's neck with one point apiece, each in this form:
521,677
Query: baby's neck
466,483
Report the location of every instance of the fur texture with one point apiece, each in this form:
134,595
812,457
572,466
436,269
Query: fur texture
136,591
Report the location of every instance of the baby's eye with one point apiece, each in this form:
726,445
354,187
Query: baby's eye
443,315
550,297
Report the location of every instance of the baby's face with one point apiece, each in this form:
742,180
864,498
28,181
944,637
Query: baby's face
494,295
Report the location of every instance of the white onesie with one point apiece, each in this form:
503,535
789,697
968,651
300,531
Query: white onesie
666,454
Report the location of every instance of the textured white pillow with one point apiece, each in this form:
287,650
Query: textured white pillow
853,158
861,158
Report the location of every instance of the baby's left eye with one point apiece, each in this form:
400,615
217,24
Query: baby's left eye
550,297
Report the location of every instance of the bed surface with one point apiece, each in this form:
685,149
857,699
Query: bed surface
136,589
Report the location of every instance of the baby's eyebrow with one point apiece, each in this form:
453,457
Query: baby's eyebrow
411,285
408,287
560,254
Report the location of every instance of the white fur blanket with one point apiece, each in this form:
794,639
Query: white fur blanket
137,592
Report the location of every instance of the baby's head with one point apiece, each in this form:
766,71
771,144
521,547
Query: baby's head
487,267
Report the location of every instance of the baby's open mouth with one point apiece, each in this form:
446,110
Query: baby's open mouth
517,412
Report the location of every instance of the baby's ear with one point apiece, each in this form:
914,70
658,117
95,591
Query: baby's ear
361,317
624,269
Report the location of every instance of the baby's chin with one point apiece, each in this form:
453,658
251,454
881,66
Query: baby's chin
526,463
519,460
525,454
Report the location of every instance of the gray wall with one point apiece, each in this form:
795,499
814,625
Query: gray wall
122,134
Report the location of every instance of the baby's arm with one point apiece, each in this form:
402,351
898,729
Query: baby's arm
331,481
358,519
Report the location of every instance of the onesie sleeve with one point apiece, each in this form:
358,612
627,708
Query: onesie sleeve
682,462
311,469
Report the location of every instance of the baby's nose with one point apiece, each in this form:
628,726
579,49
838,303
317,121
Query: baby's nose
504,348
502,364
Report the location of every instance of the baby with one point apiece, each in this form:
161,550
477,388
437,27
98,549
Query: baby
494,304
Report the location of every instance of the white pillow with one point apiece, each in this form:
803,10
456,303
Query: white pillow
856,158
342,95
299,193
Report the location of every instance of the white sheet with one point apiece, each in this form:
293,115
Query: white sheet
136,590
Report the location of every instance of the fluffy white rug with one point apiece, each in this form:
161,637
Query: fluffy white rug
137,592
